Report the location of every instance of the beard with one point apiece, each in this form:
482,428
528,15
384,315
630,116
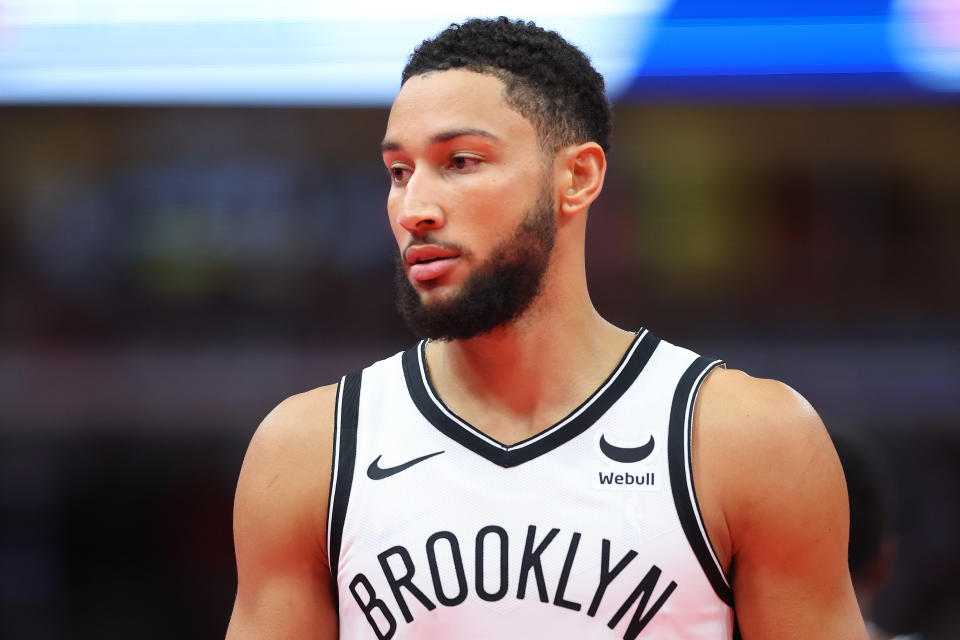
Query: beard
499,290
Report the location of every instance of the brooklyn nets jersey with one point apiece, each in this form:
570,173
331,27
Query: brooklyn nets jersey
589,529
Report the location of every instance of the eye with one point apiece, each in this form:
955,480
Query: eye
399,174
461,162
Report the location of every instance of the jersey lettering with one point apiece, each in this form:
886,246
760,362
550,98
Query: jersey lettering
373,603
501,591
445,560
643,591
406,581
565,576
607,575
531,560
457,561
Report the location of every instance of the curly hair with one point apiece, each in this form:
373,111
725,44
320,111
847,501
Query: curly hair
547,80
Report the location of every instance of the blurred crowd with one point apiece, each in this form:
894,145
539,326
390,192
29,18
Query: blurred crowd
167,275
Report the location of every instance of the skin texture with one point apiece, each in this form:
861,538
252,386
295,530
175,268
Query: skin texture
465,169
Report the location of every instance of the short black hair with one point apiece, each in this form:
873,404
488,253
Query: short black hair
548,80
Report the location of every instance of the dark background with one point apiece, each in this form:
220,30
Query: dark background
168,275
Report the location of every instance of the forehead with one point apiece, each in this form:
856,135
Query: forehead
451,100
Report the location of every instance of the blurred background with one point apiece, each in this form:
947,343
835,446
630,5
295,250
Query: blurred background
192,227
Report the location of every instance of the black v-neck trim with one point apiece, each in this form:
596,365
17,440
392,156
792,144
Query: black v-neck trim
429,404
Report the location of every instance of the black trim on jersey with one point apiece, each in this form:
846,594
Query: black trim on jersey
578,421
678,446
344,461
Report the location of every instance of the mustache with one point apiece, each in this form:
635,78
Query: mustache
427,239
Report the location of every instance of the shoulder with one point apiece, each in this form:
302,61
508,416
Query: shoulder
285,478
297,429
756,412
768,455
297,421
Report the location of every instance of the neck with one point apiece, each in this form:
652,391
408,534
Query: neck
521,378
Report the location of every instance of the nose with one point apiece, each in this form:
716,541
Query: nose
419,209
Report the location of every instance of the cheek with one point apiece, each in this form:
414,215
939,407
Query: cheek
502,202
516,183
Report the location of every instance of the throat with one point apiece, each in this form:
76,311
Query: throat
511,396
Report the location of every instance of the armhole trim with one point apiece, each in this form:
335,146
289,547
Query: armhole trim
341,471
681,474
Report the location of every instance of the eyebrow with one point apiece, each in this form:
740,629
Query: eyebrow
443,136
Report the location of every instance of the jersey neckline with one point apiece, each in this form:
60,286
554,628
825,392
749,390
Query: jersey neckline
432,408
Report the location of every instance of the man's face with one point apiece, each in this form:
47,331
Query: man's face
471,204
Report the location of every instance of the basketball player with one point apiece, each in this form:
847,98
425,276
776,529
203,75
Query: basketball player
531,470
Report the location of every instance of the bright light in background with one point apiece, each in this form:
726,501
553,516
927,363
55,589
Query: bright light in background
305,52
926,37
284,51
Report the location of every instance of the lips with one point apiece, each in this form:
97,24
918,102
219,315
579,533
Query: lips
429,262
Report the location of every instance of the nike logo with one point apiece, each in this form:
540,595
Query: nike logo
626,454
376,472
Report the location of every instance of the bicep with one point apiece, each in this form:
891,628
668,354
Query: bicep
790,529
283,607
284,587
790,576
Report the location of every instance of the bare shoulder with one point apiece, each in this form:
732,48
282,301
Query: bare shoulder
767,452
285,477
757,413
300,422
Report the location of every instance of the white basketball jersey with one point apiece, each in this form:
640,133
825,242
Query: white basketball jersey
589,529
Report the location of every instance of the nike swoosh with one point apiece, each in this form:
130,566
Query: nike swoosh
626,454
376,472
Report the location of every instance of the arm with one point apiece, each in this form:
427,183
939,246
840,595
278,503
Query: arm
783,500
284,585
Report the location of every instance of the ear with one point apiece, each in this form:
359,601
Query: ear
583,169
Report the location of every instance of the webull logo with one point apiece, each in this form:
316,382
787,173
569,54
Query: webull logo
621,480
